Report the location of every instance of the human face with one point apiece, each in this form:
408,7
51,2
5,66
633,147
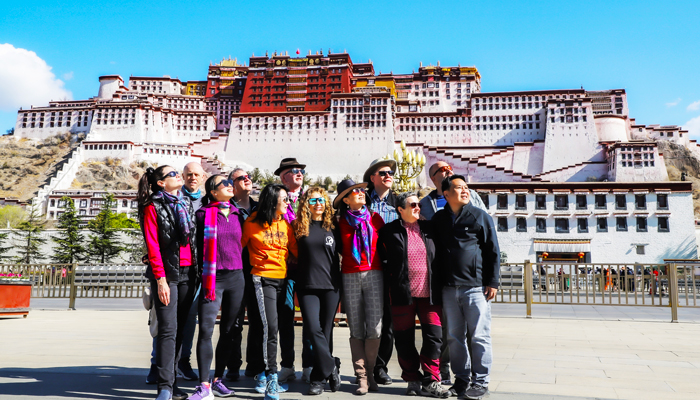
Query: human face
439,171
355,199
317,205
292,178
170,183
194,175
411,213
223,189
457,195
382,179
282,203
241,183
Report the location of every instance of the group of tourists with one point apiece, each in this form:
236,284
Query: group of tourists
389,257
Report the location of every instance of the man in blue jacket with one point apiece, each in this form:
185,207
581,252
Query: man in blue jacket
469,271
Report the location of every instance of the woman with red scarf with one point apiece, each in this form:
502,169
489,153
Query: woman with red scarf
363,294
219,235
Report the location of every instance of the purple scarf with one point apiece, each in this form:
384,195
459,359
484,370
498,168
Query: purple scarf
361,221
185,225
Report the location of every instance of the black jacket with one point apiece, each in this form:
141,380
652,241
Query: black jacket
169,241
468,247
392,248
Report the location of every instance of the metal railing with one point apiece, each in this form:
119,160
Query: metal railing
673,285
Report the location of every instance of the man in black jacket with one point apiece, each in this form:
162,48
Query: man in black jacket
468,250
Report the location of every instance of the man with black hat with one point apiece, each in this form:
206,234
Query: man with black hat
382,200
291,173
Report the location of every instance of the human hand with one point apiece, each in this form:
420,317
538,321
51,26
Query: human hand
490,293
163,291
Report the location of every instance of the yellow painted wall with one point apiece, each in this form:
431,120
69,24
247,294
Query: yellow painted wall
389,83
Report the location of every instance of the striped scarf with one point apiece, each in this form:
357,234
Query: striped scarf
361,221
209,255
182,215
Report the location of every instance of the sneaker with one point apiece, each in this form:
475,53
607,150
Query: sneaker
202,393
306,375
477,392
164,395
413,388
459,388
185,371
272,388
152,377
315,388
260,382
220,389
178,394
287,374
435,389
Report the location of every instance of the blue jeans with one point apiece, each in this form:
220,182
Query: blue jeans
468,318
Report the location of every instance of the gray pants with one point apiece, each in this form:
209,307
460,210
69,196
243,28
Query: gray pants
363,299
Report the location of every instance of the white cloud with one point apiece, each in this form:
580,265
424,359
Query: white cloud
693,127
674,103
67,76
694,106
26,80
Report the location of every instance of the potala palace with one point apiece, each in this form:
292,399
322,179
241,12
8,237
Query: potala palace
567,173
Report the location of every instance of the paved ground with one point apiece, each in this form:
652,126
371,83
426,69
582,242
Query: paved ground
565,352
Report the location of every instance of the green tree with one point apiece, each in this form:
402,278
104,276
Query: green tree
104,242
11,131
255,175
28,240
69,241
3,250
269,178
10,216
328,183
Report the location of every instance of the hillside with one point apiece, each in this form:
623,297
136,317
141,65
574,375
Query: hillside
678,160
108,174
26,165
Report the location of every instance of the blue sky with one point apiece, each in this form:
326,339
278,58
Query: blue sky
649,48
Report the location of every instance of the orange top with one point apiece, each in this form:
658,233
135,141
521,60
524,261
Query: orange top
269,246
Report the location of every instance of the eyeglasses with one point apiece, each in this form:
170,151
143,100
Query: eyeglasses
242,178
444,168
225,182
358,190
385,173
414,205
319,200
295,171
171,174
286,199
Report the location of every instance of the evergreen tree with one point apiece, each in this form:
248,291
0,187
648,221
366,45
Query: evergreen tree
3,249
104,242
28,238
69,241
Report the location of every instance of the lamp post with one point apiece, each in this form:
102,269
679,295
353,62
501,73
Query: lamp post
409,165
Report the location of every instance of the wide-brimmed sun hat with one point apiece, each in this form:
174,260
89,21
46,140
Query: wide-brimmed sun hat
376,164
288,163
344,188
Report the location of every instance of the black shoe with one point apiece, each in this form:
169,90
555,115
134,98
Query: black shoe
382,377
152,377
459,389
316,388
476,392
233,376
334,378
186,371
178,394
251,373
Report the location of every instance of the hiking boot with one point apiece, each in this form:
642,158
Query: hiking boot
315,388
413,388
185,371
202,393
272,388
435,389
220,389
152,377
260,382
286,375
476,392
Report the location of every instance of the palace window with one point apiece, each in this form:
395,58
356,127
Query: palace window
582,225
540,202
541,225
662,201
520,224
561,225
602,224
663,224
502,224
621,223
641,224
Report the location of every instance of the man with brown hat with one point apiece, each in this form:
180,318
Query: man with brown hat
382,200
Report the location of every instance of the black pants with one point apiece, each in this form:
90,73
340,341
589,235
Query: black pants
171,324
318,309
386,345
254,354
270,297
229,297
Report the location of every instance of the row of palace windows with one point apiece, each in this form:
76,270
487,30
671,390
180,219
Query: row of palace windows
561,225
561,201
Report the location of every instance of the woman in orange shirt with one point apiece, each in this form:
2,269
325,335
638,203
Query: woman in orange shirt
270,239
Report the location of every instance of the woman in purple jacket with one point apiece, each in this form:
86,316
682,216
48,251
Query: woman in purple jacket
220,264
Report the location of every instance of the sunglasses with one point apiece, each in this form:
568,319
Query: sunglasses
358,190
295,171
385,173
286,199
319,200
225,182
414,205
242,178
171,174
444,168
